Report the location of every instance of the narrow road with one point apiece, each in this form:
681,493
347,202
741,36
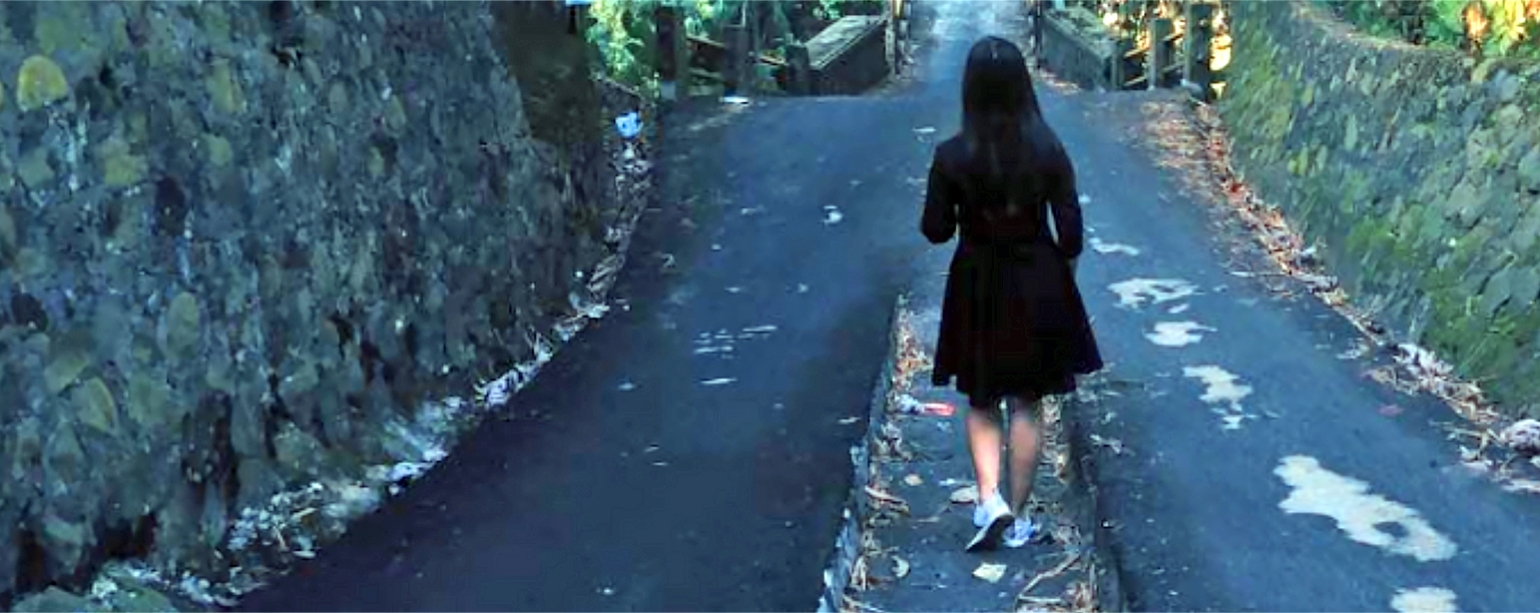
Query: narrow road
691,450
1263,471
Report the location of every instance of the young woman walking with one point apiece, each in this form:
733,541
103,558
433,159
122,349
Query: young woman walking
1013,327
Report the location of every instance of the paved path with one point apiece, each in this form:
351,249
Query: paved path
1263,471
648,467
624,482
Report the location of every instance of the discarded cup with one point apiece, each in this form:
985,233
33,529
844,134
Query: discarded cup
629,125
938,409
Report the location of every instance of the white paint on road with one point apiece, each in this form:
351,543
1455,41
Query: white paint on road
1359,513
1101,246
1424,600
832,215
1177,333
1133,293
1179,309
718,381
1223,391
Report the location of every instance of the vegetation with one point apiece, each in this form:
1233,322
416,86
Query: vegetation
1482,27
622,30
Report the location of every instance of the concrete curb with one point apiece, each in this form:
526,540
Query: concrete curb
1084,502
847,545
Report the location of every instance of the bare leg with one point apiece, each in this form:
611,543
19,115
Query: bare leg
984,442
1026,445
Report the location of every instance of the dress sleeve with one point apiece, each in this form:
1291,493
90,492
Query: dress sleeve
1064,199
939,221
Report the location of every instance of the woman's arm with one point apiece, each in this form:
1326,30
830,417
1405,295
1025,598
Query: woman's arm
1064,199
939,221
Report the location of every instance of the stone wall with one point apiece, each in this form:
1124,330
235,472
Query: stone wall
1416,170
850,56
246,247
1075,52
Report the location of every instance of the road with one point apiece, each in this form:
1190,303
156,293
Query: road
648,468
1262,470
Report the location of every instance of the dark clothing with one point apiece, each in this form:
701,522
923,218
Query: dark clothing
1012,321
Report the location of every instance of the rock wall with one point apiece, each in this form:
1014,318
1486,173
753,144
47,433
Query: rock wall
1076,52
1416,170
246,247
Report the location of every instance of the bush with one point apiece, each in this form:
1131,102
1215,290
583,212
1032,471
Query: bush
623,32
1482,27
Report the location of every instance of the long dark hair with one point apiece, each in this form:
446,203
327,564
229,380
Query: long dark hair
1002,123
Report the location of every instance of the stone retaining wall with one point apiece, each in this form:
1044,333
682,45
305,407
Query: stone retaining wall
244,245
1075,55
1416,170
850,56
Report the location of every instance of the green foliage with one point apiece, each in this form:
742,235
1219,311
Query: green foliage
623,34
1508,28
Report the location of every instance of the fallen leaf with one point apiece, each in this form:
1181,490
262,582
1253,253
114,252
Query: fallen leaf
1528,486
1049,574
900,567
992,573
913,480
886,497
966,495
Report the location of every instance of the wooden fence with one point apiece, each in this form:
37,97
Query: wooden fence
733,59
1163,57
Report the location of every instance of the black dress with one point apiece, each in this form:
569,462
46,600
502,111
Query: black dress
1012,320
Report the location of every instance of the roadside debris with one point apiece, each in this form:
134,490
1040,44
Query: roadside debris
629,125
992,573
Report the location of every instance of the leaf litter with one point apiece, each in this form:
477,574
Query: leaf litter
877,565
1196,135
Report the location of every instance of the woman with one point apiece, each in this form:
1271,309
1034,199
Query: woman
1013,326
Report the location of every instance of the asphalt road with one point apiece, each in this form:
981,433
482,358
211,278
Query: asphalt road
1262,470
647,467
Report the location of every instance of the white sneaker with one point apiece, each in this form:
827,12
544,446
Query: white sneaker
1021,532
981,510
993,518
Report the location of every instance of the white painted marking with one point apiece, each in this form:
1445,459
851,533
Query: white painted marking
1101,246
765,329
1424,600
626,386
734,290
1318,491
718,381
1177,333
832,215
1179,309
1133,293
1224,392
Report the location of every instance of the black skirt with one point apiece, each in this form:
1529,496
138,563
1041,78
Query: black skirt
1012,324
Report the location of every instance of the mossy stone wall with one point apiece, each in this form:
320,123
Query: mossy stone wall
243,243
1416,170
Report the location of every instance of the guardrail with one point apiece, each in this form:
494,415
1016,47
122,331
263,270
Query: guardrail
1164,57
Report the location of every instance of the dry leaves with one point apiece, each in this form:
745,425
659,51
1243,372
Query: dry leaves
966,495
992,573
